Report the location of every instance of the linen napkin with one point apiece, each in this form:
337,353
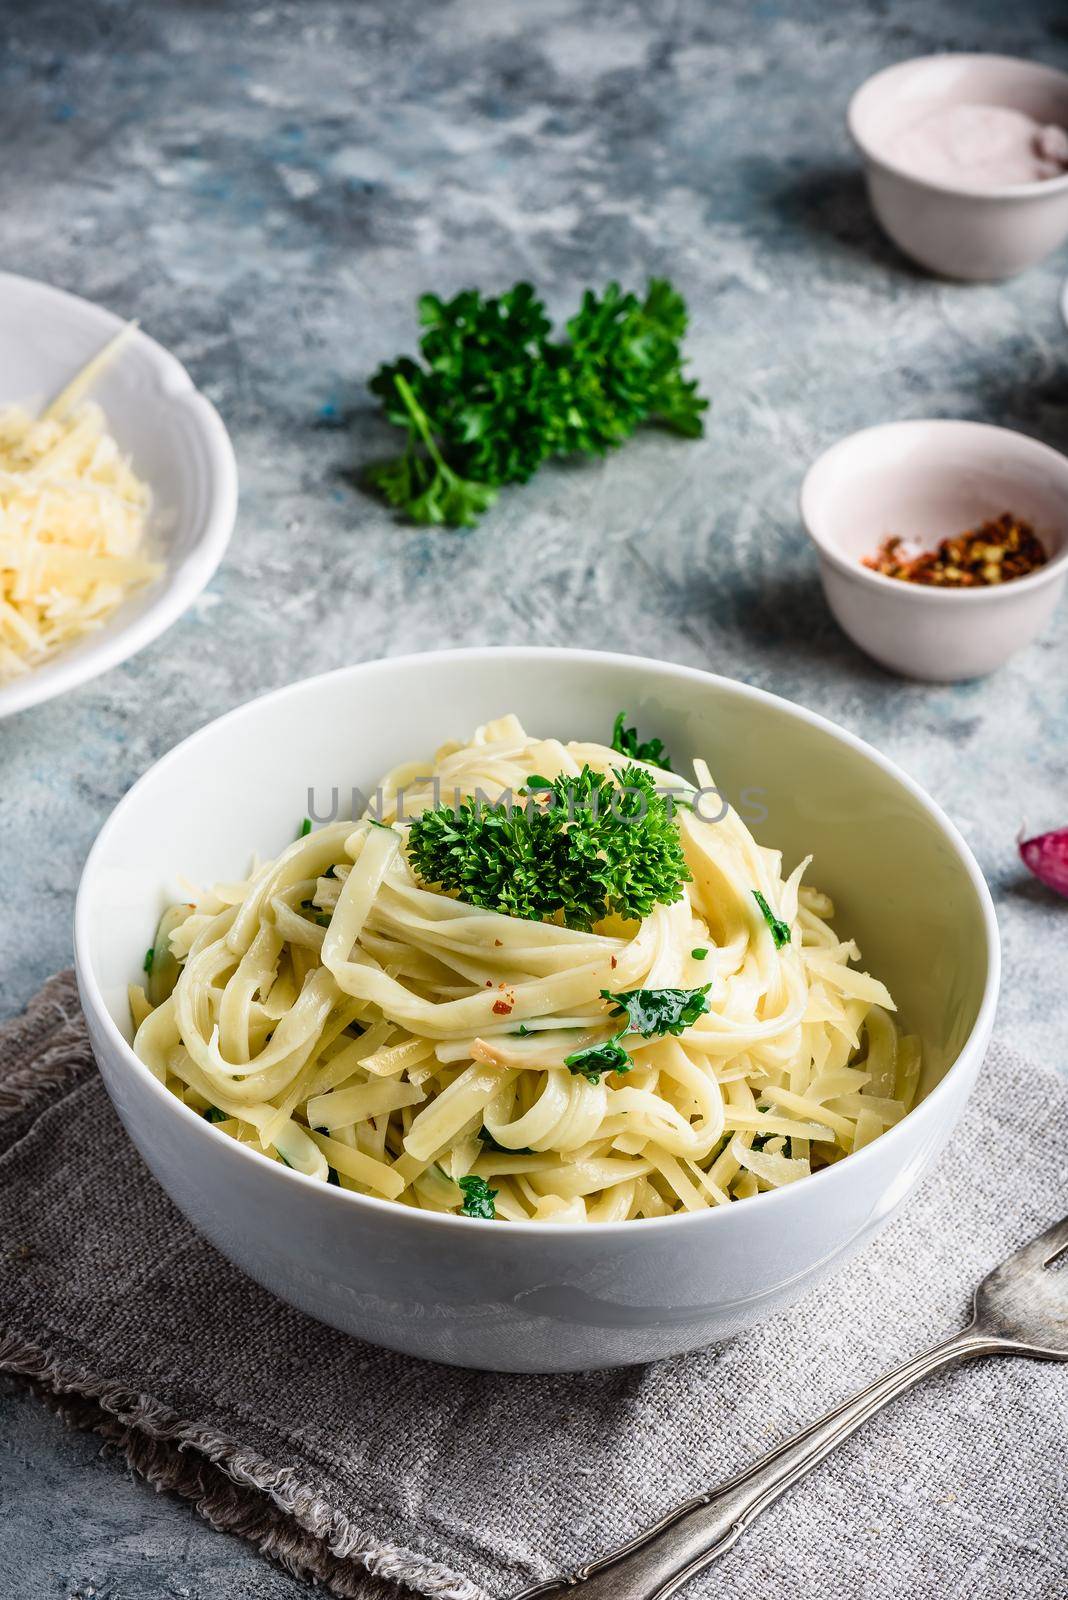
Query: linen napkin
366,1470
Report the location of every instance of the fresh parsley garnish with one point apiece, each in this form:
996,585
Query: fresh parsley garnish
699,954
213,1114
478,1198
626,741
305,828
150,956
579,847
780,931
496,396
608,1056
657,1011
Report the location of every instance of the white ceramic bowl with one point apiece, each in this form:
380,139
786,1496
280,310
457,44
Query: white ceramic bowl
177,444
538,1296
960,232
928,481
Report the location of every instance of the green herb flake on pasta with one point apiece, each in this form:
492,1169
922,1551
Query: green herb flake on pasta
780,931
626,741
595,1059
478,1198
658,1011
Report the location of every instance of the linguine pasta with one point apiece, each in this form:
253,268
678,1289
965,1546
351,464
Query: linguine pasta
337,1014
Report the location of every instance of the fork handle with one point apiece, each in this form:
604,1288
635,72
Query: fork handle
656,1563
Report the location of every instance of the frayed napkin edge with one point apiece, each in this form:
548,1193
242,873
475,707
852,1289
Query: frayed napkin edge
251,1497
233,1488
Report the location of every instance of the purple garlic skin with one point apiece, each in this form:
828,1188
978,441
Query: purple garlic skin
1047,857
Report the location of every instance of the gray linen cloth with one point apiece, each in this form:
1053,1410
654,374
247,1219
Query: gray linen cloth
366,1469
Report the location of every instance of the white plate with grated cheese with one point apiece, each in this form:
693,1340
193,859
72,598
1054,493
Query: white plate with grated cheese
120,519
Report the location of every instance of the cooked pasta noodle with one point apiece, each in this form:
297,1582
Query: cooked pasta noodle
336,1013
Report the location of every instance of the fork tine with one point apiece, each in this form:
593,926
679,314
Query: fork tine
1041,1251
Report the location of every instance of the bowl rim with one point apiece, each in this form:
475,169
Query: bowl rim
179,586
1005,191
661,671
919,593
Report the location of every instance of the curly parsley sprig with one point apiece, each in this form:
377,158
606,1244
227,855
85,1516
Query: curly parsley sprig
577,849
495,396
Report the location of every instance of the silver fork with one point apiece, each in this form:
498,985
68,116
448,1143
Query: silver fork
1019,1309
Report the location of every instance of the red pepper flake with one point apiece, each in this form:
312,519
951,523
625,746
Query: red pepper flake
498,943
502,1008
995,552
615,963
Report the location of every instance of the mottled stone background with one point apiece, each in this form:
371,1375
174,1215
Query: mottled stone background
268,187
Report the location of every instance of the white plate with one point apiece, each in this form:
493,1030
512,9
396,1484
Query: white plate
175,439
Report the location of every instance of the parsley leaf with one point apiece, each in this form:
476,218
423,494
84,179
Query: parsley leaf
478,1198
608,1056
780,931
150,956
625,740
213,1114
494,396
305,828
659,1011
580,847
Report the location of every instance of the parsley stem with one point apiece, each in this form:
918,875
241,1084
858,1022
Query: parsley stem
421,421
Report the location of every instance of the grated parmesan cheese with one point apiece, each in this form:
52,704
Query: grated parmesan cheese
72,526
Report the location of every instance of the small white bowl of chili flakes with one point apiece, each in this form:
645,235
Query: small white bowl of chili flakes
943,546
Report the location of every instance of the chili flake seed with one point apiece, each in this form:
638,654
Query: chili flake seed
995,552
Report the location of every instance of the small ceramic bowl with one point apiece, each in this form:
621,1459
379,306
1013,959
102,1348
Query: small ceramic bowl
961,232
176,443
926,481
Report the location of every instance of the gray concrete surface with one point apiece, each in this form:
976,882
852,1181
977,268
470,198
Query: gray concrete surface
268,187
